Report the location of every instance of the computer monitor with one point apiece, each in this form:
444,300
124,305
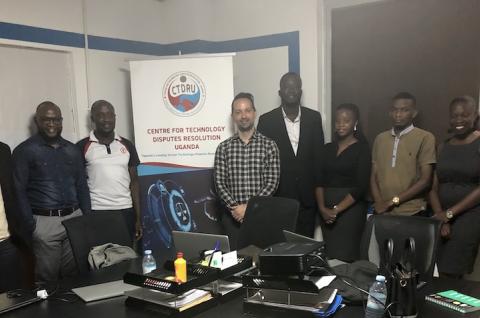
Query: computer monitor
192,243
265,219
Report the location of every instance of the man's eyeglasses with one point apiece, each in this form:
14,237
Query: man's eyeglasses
55,121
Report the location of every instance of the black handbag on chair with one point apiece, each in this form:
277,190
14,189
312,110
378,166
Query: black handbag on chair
402,279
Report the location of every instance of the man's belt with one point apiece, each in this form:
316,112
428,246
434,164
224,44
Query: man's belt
55,212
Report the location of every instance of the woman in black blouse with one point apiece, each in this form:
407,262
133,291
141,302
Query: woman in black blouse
343,184
455,194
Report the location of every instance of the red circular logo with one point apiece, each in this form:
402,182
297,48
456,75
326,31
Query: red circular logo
184,93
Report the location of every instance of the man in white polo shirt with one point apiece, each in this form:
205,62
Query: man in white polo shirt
111,163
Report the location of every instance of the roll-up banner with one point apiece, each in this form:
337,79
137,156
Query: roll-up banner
181,112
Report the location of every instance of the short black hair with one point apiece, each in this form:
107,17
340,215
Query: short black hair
47,103
405,95
99,103
465,99
291,74
351,107
244,95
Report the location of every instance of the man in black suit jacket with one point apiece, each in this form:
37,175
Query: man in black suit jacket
10,265
298,132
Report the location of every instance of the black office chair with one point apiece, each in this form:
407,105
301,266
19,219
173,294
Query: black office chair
265,219
95,229
425,231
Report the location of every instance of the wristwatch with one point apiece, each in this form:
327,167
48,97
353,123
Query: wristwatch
335,207
396,200
449,214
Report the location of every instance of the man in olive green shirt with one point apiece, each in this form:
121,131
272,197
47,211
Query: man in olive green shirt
403,160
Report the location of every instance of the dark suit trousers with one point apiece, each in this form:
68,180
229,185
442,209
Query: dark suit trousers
306,221
10,267
231,228
129,217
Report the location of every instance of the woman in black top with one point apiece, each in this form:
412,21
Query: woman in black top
455,195
343,184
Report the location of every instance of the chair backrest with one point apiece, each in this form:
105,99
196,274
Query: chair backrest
425,231
265,219
95,229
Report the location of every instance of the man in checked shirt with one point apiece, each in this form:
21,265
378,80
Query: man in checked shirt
246,165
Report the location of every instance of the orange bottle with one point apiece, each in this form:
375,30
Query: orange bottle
180,268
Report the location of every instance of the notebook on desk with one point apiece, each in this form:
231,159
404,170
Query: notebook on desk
14,300
192,244
103,291
454,300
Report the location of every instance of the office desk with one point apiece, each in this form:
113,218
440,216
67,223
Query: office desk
115,307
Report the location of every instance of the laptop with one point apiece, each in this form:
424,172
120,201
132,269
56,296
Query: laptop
297,238
192,244
13,300
103,291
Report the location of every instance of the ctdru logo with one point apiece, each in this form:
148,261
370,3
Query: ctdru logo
184,93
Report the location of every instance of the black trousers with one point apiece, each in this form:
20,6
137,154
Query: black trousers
231,227
306,221
11,268
129,217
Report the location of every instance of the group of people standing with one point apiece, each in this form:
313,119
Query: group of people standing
276,158
48,180
403,174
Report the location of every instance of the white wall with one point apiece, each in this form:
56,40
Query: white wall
105,75
234,19
63,15
23,82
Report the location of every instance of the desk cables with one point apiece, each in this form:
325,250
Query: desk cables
352,284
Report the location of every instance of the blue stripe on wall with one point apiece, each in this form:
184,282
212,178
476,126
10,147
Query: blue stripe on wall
40,35
49,36
290,39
